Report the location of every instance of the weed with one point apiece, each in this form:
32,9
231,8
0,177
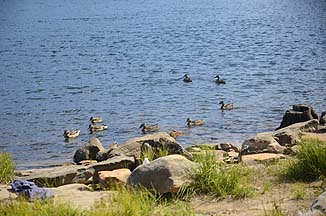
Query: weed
6,168
309,164
218,179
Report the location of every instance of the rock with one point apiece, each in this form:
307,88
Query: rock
156,141
88,151
291,135
228,147
57,176
6,194
299,113
253,159
318,207
261,143
117,162
108,179
322,119
106,154
164,175
80,196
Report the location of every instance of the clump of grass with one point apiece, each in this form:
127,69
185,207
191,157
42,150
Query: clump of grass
154,153
267,186
141,202
218,179
299,190
13,208
276,211
309,164
6,168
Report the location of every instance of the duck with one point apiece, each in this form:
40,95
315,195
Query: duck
224,106
197,122
94,128
71,134
218,80
186,78
175,134
94,120
148,128
322,119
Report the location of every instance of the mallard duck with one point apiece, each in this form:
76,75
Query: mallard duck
175,134
71,134
218,80
322,119
186,78
224,106
95,120
94,128
148,128
197,122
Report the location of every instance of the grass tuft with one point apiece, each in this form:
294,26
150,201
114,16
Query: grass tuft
220,180
309,163
6,168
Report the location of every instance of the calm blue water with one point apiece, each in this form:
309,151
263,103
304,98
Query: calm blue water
62,62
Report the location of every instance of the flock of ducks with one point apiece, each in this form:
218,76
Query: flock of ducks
95,126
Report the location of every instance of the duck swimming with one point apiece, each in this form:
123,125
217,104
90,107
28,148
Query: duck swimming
71,134
197,122
186,78
224,106
218,80
94,120
148,128
94,128
175,134
322,119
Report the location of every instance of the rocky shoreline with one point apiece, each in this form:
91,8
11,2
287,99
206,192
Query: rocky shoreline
124,164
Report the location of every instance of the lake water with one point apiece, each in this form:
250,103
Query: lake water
62,62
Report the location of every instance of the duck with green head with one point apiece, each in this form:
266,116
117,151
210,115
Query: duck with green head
71,134
148,128
218,80
197,122
227,106
187,78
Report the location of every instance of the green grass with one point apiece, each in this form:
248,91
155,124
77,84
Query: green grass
309,163
219,179
125,202
299,190
155,153
6,168
276,211
38,208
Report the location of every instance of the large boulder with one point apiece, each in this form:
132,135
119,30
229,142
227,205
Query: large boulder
164,175
261,143
299,113
88,151
154,142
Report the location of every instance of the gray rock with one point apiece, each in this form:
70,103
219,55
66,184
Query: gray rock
164,175
88,151
291,135
318,207
322,118
80,196
107,153
57,176
155,141
299,113
261,143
